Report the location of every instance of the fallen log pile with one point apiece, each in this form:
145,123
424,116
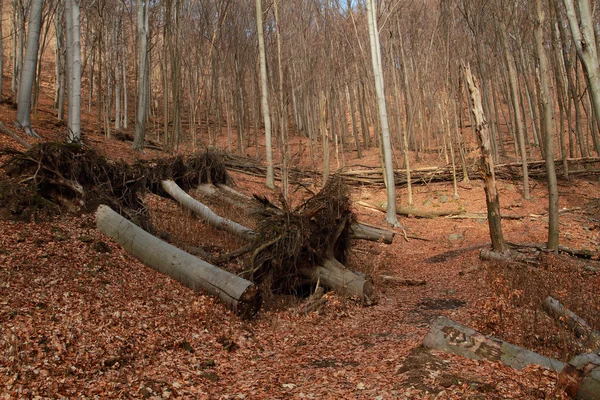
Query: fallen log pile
374,175
291,244
290,247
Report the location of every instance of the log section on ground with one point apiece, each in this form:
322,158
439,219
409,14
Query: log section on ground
581,377
206,213
363,231
333,274
581,329
447,335
238,294
409,211
374,175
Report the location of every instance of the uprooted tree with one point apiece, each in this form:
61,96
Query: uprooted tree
290,247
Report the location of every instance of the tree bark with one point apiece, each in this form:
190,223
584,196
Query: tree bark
391,217
581,377
270,181
74,70
449,336
487,164
546,99
333,274
573,321
29,68
205,212
584,39
512,76
140,119
238,294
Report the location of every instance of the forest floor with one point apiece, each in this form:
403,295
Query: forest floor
80,318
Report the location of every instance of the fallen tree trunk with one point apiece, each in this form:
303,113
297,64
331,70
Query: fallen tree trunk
238,294
581,377
206,213
333,274
359,230
581,329
364,231
447,335
409,211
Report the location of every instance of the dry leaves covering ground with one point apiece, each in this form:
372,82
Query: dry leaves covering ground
80,318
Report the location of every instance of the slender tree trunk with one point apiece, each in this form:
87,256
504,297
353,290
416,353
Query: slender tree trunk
270,182
582,29
74,68
487,164
391,216
140,119
512,76
59,97
1,52
324,135
283,119
29,68
548,129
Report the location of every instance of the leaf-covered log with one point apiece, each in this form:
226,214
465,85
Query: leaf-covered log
447,335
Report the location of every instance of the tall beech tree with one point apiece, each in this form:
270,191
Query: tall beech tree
143,79
29,69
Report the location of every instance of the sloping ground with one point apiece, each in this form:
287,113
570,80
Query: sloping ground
80,318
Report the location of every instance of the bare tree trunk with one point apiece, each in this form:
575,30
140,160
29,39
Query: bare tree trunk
487,164
324,135
29,68
582,29
236,293
74,70
140,119
391,216
512,76
548,129
282,112
1,51
270,182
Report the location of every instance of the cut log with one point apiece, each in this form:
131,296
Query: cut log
581,377
335,275
238,294
581,329
206,213
362,231
449,336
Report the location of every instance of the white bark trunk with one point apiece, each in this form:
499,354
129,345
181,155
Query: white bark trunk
74,70
236,293
270,182
205,212
391,217
140,119
29,68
